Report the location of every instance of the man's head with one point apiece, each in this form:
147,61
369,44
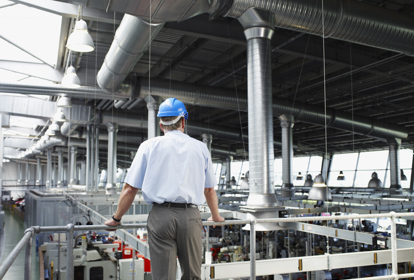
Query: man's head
173,114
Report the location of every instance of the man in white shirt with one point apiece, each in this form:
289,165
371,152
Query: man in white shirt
175,174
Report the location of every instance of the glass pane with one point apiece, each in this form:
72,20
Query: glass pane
406,159
300,164
406,183
344,162
373,160
315,165
347,182
278,165
278,179
363,177
236,170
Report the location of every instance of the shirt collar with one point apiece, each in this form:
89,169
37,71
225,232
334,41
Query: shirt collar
173,132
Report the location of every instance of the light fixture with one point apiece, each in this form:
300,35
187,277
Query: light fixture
319,191
70,79
80,40
64,102
308,181
59,116
54,126
375,182
299,177
50,132
403,177
341,176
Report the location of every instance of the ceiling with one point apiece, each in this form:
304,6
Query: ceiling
359,80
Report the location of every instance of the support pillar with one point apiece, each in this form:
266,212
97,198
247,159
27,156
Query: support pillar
60,169
110,184
87,167
19,173
229,160
83,173
394,148
96,164
258,29
73,152
27,174
287,122
38,172
207,139
49,169
153,103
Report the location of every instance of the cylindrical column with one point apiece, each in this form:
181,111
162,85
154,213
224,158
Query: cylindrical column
73,151
38,172
96,165
112,130
19,173
394,259
229,160
287,122
92,159
394,147
258,30
252,250
60,169
88,158
207,139
28,259
82,178
27,174
49,169
153,125
69,264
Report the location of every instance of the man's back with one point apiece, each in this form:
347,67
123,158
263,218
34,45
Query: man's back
174,168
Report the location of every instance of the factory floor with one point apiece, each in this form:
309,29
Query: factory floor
14,229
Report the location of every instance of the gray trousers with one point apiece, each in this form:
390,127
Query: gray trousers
175,232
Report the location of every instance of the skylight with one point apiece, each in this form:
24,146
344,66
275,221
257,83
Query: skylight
34,30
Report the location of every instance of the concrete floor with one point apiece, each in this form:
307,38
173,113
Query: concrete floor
14,229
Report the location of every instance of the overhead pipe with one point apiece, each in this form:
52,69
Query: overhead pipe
226,99
132,39
347,20
287,122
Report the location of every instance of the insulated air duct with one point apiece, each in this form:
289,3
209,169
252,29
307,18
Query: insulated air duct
287,122
132,39
394,147
347,20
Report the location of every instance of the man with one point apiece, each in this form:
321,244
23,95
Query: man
175,174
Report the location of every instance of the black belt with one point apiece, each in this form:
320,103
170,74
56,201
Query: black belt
178,205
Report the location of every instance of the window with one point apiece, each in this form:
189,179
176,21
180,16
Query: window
370,162
345,163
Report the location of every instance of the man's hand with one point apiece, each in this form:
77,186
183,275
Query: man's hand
216,219
112,223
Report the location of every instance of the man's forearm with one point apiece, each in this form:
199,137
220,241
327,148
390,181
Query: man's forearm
125,200
212,202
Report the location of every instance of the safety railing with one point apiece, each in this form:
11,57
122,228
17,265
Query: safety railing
27,240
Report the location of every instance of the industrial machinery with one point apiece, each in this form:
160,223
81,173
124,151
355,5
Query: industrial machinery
93,260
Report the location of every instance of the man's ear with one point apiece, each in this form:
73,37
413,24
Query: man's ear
183,123
161,127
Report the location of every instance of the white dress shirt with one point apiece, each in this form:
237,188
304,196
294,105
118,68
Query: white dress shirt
172,168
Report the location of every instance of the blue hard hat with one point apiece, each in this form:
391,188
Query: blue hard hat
172,107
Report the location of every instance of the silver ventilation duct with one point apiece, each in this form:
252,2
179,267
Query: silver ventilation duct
394,147
258,31
132,39
226,99
287,122
346,20
198,95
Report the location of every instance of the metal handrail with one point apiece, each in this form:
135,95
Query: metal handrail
70,228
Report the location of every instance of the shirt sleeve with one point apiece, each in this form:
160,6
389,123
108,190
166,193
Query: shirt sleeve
135,177
210,177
